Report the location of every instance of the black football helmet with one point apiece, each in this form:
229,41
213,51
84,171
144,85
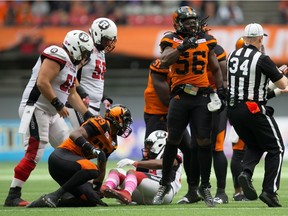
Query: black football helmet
120,117
189,28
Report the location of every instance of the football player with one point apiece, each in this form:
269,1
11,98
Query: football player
219,122
70,164
91,76
157,97
188,51
42,108
140,187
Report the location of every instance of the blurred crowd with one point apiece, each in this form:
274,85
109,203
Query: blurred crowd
133,12
40,13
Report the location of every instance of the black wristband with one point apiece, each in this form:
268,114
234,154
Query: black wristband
57,104
80,141
88,115
180,48
106,98
82,93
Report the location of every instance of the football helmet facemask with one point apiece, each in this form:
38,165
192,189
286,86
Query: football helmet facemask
104,34
186,22
155,143
79,45
120,117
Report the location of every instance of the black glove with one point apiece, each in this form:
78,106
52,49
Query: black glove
187,44
222,93
223,106
88,115
89,150
99,153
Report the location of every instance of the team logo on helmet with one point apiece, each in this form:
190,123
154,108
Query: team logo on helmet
84,37
54,50
104,24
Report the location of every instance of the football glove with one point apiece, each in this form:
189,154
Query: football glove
215,103
222,93
126,162
187,44
89,149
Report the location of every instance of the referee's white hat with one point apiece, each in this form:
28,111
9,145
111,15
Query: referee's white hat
254,30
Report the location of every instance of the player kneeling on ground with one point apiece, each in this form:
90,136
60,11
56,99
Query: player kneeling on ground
70,165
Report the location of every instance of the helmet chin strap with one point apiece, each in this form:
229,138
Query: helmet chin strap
100,47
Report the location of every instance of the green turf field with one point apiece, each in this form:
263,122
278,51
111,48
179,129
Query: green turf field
40,182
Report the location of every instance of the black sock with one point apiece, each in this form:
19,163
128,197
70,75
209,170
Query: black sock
205,163
220,167
236,166
169,156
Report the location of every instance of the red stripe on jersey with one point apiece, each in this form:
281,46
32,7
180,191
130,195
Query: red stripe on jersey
60,61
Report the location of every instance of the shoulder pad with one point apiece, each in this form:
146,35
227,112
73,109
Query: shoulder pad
56,52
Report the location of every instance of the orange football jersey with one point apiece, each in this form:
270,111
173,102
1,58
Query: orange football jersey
100,138
221,56
191,67
153,105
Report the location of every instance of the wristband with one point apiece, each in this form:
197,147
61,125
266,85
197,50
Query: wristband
82,93
57,104
180,48
80,141
88,115
106,98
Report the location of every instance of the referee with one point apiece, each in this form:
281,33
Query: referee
249,72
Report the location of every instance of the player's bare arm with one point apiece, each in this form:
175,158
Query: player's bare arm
48,71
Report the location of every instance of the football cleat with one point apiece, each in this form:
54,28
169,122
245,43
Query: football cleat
14,198
159,197
246,184
15,202
221,198
239,197
190,197
122,195
44,201
205,193
270,199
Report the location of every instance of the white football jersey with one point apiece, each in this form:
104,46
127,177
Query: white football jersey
61,84
92,77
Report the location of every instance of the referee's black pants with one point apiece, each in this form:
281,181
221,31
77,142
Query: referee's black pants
261,134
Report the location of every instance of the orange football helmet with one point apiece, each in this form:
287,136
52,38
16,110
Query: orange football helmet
184,13
120,117
239,43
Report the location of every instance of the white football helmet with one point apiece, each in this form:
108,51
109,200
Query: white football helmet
79,44
104,34
157,141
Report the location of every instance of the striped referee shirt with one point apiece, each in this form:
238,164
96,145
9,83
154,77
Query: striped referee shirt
248,72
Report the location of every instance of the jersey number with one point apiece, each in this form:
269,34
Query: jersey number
68,83
235,66
195,62
100,69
